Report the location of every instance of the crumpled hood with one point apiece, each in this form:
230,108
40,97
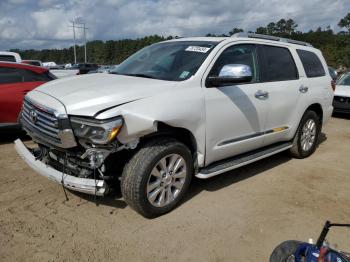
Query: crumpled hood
88,94
342,90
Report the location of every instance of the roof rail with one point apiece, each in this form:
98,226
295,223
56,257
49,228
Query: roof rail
270,37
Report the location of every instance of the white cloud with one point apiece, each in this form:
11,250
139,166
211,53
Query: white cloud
44,23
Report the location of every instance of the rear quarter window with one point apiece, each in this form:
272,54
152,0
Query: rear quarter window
311,63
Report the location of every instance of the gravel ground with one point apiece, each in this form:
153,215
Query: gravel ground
239,216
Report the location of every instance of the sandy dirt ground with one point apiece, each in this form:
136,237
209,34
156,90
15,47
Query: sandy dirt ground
239,216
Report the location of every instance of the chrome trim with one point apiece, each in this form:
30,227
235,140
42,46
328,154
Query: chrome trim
67,138
45,127
38,127
84,185
45,108
270,131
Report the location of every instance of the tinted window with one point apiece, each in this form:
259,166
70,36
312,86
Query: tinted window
36,63
344,81
277,64
15,75
236,54
312,64
7,58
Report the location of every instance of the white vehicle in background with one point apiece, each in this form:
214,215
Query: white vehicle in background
33,62
49,64
341,102
177,109
10,57
62,73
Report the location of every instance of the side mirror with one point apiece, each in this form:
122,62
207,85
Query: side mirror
231,74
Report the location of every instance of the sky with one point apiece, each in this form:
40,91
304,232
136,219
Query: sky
41,24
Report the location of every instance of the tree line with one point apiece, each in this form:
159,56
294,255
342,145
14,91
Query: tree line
334,46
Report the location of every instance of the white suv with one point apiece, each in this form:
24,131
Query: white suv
177,109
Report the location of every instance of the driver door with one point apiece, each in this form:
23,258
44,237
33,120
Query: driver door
235,113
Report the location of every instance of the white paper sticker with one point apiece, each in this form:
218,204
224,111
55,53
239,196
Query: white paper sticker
184,74
199,49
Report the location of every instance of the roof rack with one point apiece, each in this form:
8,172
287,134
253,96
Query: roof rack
270,37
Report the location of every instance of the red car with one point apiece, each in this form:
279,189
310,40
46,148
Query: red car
16,80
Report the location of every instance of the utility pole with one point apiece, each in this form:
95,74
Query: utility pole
85,41
75,51
80,27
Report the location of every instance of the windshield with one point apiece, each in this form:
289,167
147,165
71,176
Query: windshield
344,80
173,61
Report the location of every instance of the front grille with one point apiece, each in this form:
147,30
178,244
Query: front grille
41,122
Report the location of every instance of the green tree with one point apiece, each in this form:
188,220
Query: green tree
291,26
345,22
235,30
271,28
261,30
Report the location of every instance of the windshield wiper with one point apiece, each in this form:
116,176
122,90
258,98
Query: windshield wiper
137,75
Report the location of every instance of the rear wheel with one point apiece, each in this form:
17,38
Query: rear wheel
156,178
306,138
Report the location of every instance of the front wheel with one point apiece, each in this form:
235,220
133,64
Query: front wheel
156,178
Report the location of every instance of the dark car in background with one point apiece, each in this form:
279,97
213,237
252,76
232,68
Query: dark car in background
16,80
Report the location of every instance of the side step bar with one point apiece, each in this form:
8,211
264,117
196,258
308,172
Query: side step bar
241,160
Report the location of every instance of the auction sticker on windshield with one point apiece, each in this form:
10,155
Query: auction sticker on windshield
199,49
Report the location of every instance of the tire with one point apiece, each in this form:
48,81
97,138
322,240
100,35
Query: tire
302,146
284,251
144,170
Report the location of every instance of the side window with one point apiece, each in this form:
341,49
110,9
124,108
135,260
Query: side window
30,76
244,54
7,58
311,63
277,64
10,75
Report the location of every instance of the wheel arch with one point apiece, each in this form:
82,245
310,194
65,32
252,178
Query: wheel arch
317,108
181,134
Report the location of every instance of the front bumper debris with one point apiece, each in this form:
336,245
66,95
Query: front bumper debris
84,185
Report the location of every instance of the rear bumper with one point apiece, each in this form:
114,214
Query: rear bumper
84,185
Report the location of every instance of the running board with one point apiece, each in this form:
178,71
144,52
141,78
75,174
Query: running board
241,160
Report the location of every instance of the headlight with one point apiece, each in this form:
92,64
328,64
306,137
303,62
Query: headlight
96,131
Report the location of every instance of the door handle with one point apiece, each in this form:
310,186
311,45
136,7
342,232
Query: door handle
303,89
262,95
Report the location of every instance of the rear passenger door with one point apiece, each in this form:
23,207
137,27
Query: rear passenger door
15,83
279,77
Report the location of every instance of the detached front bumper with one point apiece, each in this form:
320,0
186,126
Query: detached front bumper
84,185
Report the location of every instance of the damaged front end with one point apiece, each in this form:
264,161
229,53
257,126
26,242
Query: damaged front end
71,151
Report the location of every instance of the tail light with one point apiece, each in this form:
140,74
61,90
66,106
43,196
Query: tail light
333,85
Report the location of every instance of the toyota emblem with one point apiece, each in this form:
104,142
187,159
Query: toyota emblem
33,116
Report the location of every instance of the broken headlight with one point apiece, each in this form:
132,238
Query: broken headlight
96,131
